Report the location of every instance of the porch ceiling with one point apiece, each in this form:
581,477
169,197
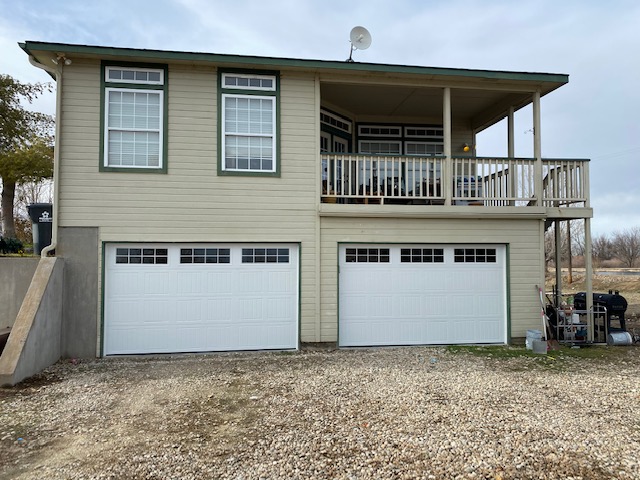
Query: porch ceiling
479,108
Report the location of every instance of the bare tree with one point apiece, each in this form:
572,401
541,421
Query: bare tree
549,248
577,237
38,191
571,238
602,249
626,246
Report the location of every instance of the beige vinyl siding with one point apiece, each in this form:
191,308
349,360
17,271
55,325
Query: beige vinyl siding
192,186
522,237
191,203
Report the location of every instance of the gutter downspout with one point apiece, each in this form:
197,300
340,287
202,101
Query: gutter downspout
57,72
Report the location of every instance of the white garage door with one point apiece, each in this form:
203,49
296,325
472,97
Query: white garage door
199,298
422,294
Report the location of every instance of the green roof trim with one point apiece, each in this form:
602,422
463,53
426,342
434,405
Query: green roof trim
273,62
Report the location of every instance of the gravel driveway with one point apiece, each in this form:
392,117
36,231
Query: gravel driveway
349,414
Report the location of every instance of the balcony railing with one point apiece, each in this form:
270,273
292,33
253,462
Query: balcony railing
381,179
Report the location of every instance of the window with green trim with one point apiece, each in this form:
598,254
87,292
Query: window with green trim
248,123
134,126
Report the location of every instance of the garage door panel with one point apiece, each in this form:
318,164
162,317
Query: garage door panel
491,333
189,336
409,306
366,283
123,284
191,312
410,331
121,338
461,305
450,282
458,281
374,307
249,283
190,283
463,331
223,337
199,299
122,310
250,309
158,311
221,283
157,283
434,305
432,281
278,309
153,338
278,282
434,295
380,332
438,331
486,280
219,309
488,305
357,307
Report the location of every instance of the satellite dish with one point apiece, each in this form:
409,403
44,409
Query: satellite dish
360,40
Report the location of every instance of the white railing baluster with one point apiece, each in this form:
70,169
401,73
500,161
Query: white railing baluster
488,181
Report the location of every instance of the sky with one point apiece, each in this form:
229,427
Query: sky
596,43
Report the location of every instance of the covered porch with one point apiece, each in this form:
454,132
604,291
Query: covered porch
411,140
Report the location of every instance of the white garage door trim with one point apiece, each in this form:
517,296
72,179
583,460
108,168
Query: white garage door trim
175,298
422,294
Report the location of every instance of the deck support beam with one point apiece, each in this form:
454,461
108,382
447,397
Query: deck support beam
558,261
588,275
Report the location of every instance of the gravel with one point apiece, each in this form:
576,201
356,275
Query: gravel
400,413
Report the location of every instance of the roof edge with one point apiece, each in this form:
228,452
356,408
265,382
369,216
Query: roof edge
104,51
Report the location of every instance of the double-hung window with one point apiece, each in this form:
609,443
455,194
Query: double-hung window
134,118
248,123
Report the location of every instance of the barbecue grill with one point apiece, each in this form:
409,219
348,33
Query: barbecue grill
614,303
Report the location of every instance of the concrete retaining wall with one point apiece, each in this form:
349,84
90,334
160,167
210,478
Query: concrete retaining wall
79,248
15,277
34,343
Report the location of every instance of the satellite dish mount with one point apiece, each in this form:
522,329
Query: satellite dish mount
360,40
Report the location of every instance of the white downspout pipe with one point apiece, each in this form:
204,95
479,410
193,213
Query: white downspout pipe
56,152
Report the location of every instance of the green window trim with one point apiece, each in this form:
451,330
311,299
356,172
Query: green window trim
122,85
227,92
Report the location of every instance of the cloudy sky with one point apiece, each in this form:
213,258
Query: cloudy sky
596,43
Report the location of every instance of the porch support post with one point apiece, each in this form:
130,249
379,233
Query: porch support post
537,148
558,261
588,284
318,230
511,154
447,175
510,133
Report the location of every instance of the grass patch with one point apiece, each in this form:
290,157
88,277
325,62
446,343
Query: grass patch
493,351
596,352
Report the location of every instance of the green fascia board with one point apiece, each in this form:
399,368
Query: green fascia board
275,62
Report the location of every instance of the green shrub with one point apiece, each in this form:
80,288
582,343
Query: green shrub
10,245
